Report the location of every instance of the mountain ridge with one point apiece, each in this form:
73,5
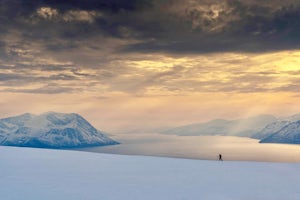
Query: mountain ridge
289,134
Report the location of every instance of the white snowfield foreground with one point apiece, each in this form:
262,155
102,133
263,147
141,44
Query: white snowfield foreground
41,174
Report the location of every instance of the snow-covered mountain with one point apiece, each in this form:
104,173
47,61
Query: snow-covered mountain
241,127
289,134
276,126
50,130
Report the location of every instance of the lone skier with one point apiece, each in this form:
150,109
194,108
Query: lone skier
220,157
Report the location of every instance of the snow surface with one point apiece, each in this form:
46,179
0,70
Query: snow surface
69,175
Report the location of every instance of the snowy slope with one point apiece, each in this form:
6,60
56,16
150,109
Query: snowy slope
69,175
241,127
289,134
50,130
276,126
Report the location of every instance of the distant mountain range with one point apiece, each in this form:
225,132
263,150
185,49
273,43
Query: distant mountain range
60,130
241,127
51,130
266,128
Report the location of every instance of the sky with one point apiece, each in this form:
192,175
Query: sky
144,64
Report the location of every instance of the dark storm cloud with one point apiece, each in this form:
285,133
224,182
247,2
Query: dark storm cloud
60,47
171,25
110,6
243,27
46,19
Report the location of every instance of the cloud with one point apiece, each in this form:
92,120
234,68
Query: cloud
223,27
68,16
8,77
176,26
49,89
47,12
170,47
82,15
154,75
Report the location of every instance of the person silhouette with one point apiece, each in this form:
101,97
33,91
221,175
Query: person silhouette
220,157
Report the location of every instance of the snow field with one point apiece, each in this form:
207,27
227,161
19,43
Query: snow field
36,174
